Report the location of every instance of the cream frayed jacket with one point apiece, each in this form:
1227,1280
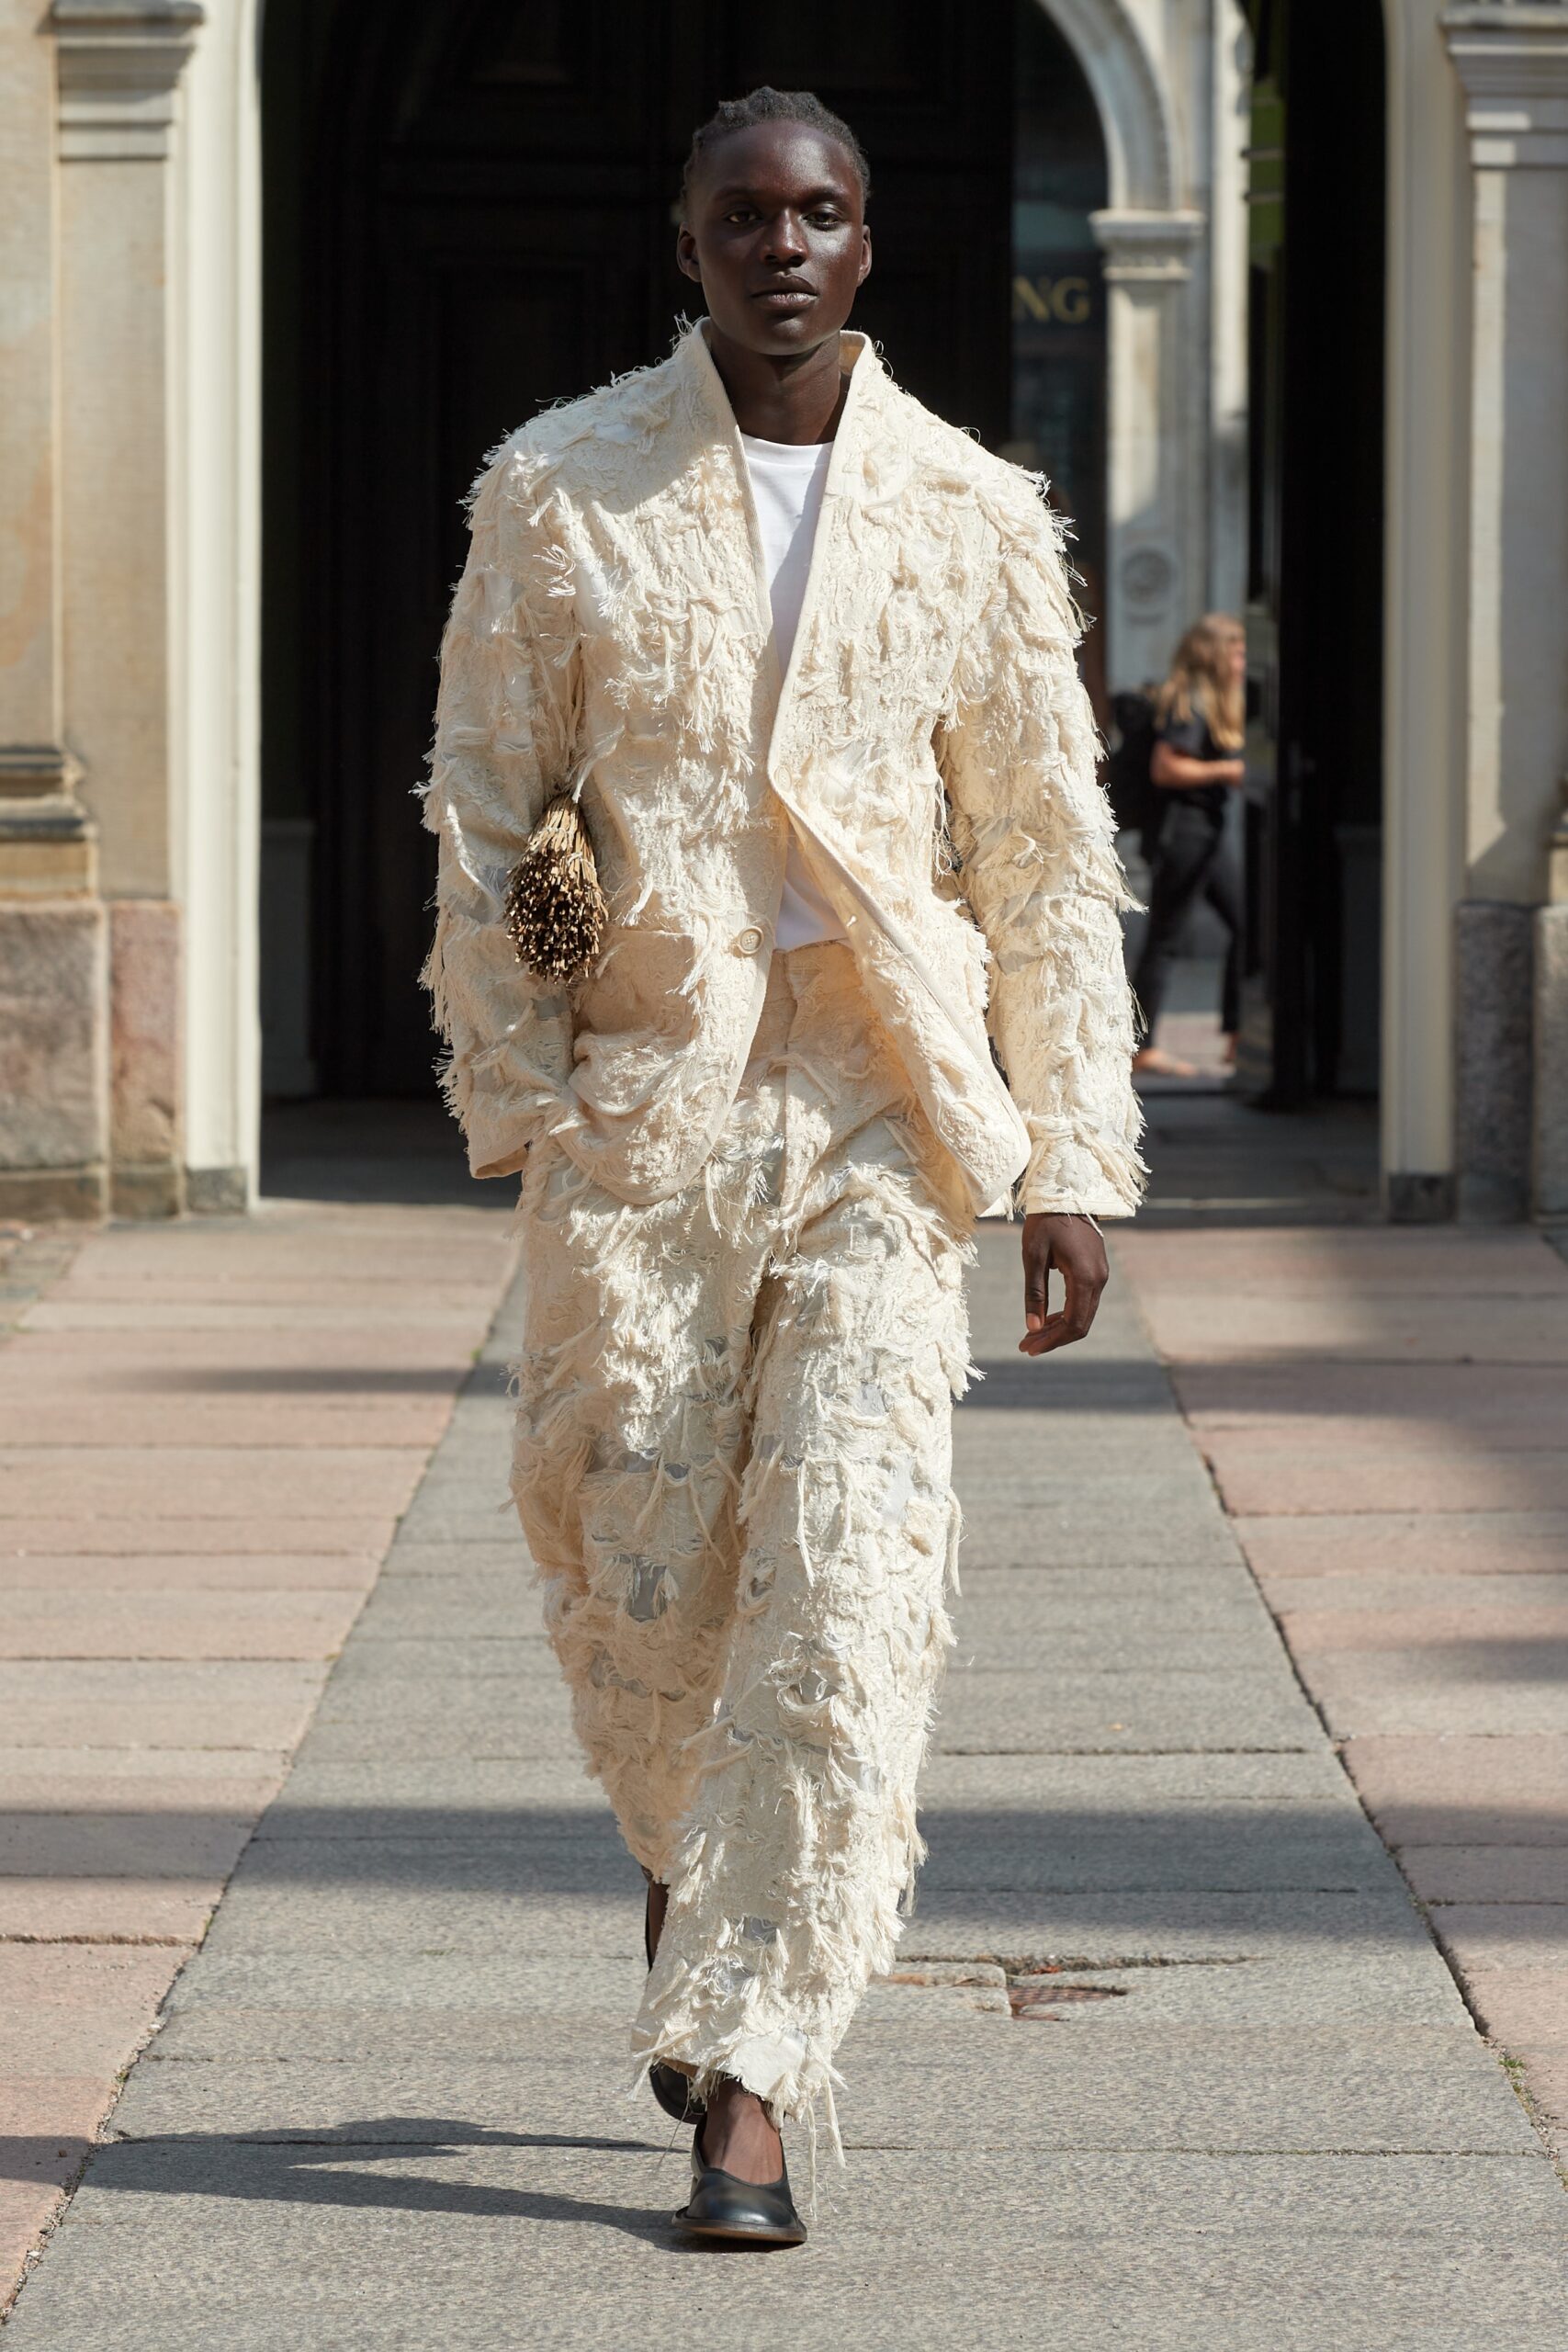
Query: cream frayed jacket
612,629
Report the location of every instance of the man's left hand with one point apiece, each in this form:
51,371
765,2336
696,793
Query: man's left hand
1073,1246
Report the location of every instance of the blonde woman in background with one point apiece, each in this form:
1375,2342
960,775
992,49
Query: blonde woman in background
1200,726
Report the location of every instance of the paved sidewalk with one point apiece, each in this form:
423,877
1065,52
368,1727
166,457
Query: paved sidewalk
208,1433
1170,2060
1386,1414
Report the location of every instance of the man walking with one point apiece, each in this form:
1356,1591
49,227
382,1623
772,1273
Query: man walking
807,653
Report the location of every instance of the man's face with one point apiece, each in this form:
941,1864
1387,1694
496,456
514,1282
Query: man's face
775,234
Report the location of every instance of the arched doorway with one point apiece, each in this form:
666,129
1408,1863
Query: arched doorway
1060,181
468,213
1315,556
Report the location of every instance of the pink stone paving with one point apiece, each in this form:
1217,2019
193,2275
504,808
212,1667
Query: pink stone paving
1265,1475
209,1432
168,1572
1353,1405
1406,1543
1464,1791
153,1624
238,1421
272,1532
1383,1409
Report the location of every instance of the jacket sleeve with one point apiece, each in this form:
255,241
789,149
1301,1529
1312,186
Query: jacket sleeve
1036,839
504,734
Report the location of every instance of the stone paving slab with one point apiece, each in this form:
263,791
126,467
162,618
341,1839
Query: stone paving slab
195,1843
391,2086
1356,1405
194,1505
1407,1525
1282,1478
1385,2089
1483,1937
1489,1874
164,1572
1383,1544
154,1623
1454,1790
264,1536
1431,1690
1377,1261
123,1908
1026,1713
1198,1326
333,1420
206,1482
1501,1635
1503,1599
1304,2245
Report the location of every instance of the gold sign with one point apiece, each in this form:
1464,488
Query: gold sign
1054,302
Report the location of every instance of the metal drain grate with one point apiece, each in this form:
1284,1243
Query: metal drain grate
1038,1998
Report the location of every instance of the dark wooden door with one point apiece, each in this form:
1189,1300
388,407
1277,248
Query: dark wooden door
471,213
1315,589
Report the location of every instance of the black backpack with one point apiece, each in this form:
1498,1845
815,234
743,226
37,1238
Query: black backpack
1127,779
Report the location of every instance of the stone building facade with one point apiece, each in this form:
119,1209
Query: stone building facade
132,563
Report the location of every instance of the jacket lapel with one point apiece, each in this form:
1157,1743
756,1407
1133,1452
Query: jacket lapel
863,368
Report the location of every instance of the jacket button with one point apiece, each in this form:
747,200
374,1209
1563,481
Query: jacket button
748,941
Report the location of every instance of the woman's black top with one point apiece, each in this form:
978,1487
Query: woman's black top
1191,738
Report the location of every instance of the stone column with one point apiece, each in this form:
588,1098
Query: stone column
1549,1142
1512,63
1156,570
119,63
54,1062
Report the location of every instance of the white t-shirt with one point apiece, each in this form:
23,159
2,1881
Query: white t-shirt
788,480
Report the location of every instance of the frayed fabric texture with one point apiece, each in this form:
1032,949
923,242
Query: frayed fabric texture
931,747
732,1465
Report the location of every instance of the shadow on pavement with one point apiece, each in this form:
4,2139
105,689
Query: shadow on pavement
277,2169
403,1154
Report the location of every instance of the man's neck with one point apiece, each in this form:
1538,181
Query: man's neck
795,399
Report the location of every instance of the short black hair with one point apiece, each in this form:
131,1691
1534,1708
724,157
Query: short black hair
768,105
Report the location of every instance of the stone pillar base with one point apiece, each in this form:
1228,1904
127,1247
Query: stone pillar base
216,1192
53,1195
1550,1108
1410,1197
1494,953
53,1067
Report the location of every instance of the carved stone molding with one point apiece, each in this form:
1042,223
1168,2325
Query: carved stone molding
1512,62
36,772
120,64
1147,248
1135,111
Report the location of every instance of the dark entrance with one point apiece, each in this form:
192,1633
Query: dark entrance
1059,179
1315,559
469,212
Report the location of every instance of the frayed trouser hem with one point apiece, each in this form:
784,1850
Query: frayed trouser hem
795,2086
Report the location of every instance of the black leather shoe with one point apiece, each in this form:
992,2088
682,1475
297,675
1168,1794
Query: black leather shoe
670,2086
740,2212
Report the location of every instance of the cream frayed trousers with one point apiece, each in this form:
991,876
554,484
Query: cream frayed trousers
733,1457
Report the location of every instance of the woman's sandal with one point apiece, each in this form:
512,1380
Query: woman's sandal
739,2213
670,2086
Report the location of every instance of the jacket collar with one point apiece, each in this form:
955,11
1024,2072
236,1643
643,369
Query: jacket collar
866,374
868,381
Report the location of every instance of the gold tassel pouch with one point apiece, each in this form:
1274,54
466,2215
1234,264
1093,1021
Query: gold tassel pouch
554,910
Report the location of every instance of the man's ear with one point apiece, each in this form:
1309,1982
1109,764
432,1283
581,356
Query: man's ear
686,254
